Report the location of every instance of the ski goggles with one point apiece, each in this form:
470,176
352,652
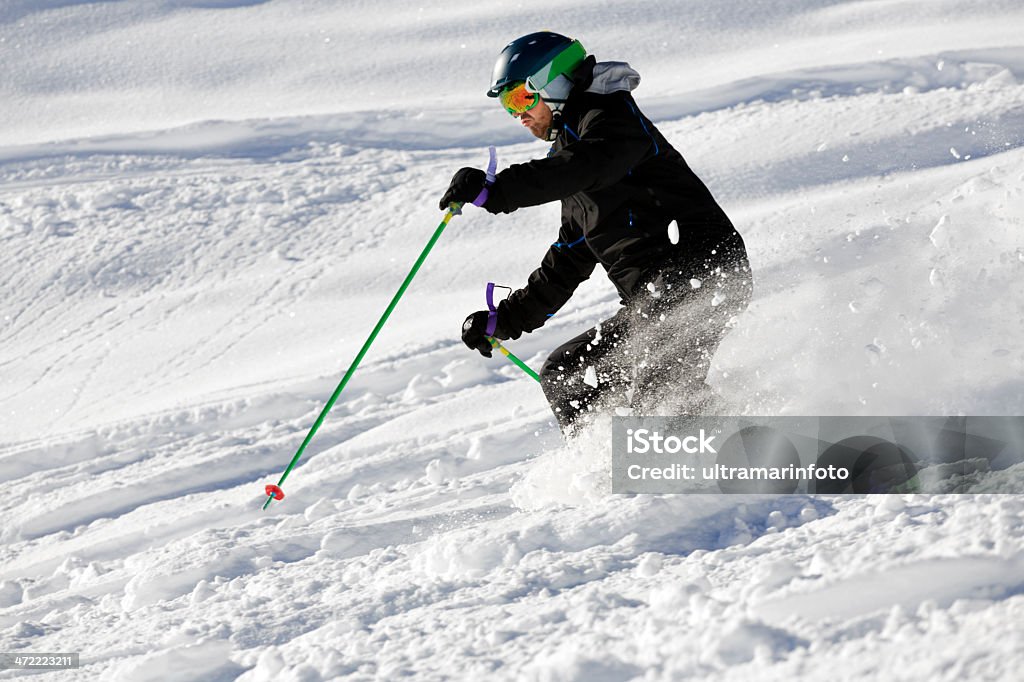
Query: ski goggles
517,99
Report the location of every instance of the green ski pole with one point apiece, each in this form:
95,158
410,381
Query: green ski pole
274,492
518,363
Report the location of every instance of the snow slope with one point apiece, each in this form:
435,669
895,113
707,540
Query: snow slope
205,205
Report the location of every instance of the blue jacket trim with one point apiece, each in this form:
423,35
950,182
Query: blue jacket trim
559,245
644,126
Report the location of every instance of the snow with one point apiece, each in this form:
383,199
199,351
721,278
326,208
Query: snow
206,204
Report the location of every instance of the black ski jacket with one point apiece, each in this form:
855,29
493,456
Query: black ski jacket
621,184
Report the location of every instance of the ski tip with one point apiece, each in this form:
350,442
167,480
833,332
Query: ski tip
274,491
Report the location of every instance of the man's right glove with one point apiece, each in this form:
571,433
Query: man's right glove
467,187
474,332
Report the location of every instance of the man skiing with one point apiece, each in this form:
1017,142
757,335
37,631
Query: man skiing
629,203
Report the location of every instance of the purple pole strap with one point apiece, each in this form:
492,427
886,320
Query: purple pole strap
492,315
492,166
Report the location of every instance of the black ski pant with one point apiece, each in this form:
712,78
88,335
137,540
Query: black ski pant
654,354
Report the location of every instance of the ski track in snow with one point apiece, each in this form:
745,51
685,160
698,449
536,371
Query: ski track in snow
179,302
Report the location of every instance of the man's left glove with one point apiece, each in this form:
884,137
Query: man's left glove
466,187
474,332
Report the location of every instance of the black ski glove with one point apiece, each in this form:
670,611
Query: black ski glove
474,332
466,185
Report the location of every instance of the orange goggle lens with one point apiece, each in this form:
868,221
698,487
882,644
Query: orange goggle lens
517,99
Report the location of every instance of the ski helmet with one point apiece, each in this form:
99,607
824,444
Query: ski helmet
544,61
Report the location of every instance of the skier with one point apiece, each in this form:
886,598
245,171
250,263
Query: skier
629,203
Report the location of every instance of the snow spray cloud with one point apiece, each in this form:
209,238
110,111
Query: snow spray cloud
678,323
817,455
